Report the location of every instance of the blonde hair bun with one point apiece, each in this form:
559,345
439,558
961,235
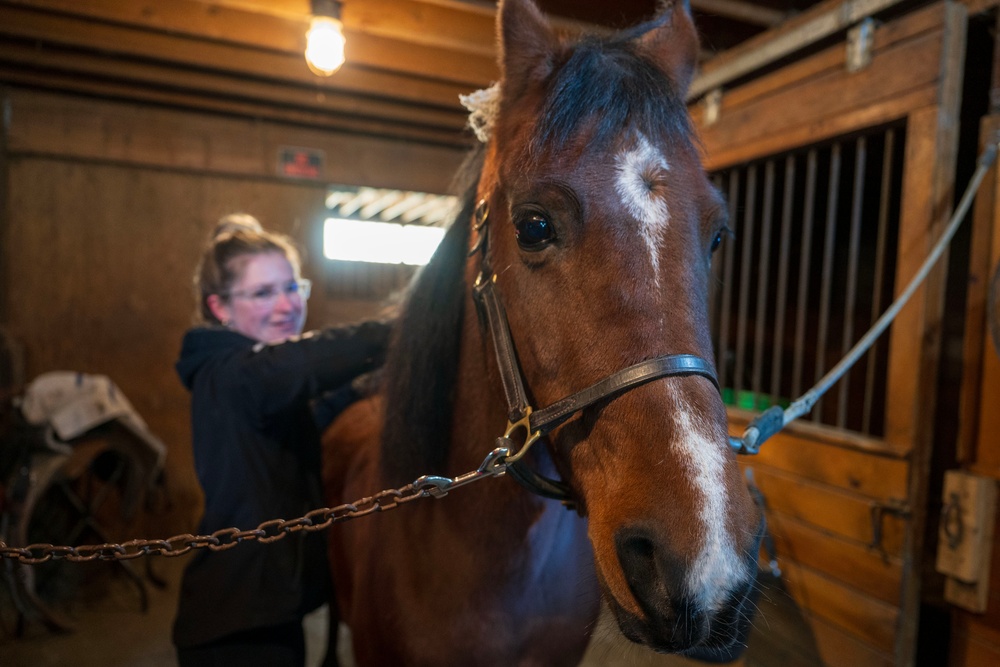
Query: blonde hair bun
236,222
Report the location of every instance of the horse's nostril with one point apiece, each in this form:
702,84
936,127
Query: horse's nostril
656,577
653,573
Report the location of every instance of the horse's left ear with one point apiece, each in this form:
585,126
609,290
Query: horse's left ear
526,42
674,42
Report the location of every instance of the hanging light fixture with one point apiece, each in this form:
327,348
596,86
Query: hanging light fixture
325,39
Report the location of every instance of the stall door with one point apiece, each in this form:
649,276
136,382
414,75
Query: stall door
838,181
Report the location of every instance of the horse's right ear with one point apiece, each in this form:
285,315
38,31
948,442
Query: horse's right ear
526,44
674,43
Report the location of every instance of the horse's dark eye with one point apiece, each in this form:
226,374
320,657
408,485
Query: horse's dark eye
534,231
717,241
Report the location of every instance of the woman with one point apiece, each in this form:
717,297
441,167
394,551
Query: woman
256,446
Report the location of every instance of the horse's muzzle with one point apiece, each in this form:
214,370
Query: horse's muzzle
672,621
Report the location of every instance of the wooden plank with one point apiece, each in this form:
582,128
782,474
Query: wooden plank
926,201
128,42
973,644
831,60
978,635
67,83
886,111
78,128
986,457
977,349
841,513
760,41
901,70
927,216
979,6
357,110
848,562
423,23
421,55
821,433
878,477
869,621
839,648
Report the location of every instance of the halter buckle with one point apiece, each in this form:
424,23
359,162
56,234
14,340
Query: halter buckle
529,437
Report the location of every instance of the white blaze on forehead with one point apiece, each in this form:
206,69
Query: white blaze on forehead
641,172
718,569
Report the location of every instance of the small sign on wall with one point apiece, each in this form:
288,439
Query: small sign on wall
297,162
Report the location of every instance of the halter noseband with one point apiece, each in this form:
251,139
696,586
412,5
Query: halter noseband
539,423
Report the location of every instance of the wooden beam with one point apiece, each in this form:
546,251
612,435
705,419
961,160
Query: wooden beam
747,12
822,20
222,89
423,23
940,128
123,91
283,34
128,42
979,360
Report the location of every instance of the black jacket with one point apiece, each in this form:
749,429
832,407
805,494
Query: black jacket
256,452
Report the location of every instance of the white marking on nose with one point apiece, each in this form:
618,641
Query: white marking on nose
641,173
718,569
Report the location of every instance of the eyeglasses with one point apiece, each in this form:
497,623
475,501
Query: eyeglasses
267,295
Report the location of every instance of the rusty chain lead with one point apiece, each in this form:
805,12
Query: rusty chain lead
270,531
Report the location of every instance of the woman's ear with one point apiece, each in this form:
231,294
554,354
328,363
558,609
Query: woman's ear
219,308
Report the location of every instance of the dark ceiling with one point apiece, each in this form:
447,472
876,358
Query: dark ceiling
722,23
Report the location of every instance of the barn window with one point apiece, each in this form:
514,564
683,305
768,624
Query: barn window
810,270
376,238
379,242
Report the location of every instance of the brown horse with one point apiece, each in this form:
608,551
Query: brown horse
601,227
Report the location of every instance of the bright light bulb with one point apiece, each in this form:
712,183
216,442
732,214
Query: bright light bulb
325,45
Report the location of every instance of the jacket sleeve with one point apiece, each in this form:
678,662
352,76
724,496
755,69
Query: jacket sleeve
276,377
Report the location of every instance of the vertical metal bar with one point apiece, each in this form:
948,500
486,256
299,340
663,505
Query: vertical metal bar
714,282
727,283
879,278
805,261
827,272
853,250
746,262
763,269
777,350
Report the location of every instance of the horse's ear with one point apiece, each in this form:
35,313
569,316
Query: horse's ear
674,42
526,44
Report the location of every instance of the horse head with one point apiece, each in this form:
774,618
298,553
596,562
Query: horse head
602,226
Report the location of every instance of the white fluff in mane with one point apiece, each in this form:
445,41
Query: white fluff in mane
483,106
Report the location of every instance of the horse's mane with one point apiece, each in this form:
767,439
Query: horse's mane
422,363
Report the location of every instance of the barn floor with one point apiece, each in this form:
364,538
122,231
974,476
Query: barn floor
114,632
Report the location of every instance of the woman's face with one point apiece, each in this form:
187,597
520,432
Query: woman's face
267,302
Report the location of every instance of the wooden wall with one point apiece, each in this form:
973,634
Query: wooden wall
107,205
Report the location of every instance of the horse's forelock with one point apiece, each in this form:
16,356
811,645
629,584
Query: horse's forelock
422,364
608,86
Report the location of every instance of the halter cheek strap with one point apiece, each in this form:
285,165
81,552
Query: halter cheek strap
539,423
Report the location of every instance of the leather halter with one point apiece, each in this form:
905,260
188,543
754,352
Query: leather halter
539,423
